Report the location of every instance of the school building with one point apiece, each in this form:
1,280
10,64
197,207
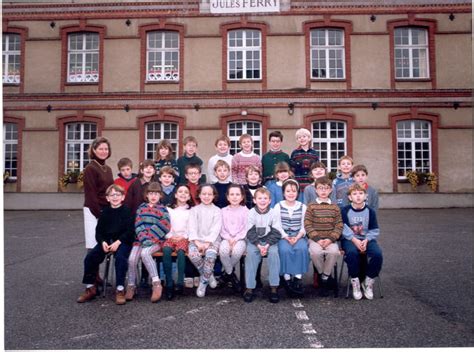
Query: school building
386,82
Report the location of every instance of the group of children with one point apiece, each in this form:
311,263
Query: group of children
281,207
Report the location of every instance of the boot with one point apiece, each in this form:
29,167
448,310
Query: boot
156,292
88,295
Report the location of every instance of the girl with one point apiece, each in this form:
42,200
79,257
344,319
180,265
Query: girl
233,233
97,177
177,239
293,247
205,222
282,173
253,175
245,158
164,157
152,223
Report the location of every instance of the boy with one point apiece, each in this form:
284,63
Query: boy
323,225
342,182
360,174
125,176
317,170
245,158
302,158
190,148
274,156
192,174
263,233
221,172
360,234
114,233
166,177
222,145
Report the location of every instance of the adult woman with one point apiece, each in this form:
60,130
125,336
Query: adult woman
97,177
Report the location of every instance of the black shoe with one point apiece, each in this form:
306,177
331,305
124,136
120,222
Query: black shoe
274,296
179,289
297,286
235,282
286,284
249,295
169,293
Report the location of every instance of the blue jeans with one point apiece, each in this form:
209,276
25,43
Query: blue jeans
97,256
253,258
352,258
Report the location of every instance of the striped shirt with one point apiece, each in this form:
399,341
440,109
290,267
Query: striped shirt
323,221
300,162
292,218
151,224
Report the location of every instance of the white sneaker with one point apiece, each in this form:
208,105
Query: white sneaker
212,282
356,289
201,290
188,282
367,288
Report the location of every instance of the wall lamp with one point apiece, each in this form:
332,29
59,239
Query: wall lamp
451,16
52,24
291,108
243,112
126,108
373,18
456,105
49,108
375,106
197,107
128,22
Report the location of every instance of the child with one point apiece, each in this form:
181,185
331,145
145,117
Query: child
360,234
135,195
302,158
221,172
342,182
317,170
114,233
205,222
245,158
164,156
274,156
263,233
177,239
190,148
323,226
192,174
253,176
282,173
152,223
293,247
166,177
222,147
360,174
233,233
125,176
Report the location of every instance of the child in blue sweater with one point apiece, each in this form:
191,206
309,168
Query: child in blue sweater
342,182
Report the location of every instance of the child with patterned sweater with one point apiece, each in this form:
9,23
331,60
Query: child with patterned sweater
152,223
164,157
323,224
302,158
360,235
245,158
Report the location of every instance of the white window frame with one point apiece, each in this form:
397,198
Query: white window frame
243,51
87,68
415,140
411,59
88,131
165,130
11,58
166,70
10,131
237,128
330,142
317,49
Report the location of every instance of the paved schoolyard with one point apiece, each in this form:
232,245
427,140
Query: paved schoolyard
427,281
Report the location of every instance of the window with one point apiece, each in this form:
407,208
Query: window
79,136
244,48
411,53
238,128
413,146
330,140
11,58
10,149
162,56
83,57
157,131
327,54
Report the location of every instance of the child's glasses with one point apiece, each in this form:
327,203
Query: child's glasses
323,188
113,195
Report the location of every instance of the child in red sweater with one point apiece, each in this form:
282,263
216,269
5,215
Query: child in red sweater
126,176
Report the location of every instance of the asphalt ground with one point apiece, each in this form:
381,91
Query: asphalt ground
427,281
